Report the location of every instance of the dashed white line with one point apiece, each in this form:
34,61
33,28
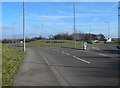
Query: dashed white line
81,59
103,54
73,56
56,49
62,51
65,53
95,48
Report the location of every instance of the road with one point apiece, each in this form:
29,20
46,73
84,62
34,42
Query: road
64,66
105,48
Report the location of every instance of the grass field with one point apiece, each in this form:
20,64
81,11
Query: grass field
43,43
11,60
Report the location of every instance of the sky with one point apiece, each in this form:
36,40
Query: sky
50,18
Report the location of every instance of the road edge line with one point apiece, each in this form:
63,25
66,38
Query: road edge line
55,72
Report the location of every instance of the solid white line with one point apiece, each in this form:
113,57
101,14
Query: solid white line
55,72
81,59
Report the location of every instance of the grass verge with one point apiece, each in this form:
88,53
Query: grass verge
44,44
11,60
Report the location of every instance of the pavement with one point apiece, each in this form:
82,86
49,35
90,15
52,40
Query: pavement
65,66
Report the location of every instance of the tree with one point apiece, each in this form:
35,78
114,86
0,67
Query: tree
63,36
101,37
7,41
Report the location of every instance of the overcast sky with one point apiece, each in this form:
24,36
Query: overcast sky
45,18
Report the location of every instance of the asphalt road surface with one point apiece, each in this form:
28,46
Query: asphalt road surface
64,66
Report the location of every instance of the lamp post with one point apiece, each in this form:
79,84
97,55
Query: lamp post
13,32
24,48
108,24
119,20
74,22
42,31
90,32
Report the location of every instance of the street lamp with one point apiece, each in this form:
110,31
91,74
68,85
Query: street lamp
13,32
90,32
74,22
108,24
24,49
42,31
119,20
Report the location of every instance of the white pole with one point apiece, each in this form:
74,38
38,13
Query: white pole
74,22
41,30
13,33
108,24
109,29
91,29
24,49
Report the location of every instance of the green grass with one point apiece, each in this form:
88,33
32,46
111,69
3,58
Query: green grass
11,60
43,43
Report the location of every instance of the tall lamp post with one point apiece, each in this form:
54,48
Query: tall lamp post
108,23
42,31
24,49
74,22
119,21
91,29
90,32
13,33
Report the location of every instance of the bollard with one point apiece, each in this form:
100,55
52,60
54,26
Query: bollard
85,46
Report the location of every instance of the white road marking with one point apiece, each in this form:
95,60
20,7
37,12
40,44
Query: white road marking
62,52
65,53
61,80
56,49
73,56
81,59
103,54
95,48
